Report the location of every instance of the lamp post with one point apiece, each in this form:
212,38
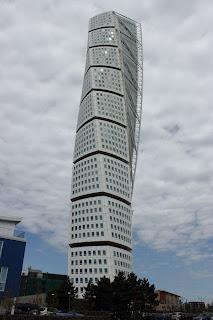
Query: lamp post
13,307
69,293
52,300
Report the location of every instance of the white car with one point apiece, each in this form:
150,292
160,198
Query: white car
43,311
177,316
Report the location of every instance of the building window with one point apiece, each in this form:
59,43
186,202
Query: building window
3,278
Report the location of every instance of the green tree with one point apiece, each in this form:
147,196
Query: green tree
209,307
145,298
52,299
8,300
132,287
89,296
103,294
122,296
63,295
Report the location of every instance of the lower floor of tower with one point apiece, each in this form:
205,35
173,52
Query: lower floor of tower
90,263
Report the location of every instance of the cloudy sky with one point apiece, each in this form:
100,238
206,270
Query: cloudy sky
42,57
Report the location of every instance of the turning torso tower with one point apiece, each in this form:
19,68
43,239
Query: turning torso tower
105,155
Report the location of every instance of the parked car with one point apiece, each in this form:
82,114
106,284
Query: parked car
177,316
22,308
188,316
69,313
211,315
43,311
35,312
17,311
138,314
158,316
203,316
167,316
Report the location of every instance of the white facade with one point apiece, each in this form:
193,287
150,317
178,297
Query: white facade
7,228
105,152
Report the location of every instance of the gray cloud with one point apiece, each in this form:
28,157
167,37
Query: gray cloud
43,48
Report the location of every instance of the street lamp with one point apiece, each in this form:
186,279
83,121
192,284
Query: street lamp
52,300
69,293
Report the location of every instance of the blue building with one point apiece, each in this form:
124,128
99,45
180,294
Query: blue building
12,248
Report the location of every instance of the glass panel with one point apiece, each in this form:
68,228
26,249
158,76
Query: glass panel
2,286
3,274
3,277
1,246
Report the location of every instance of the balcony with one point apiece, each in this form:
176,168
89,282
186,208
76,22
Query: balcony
19,234
10,232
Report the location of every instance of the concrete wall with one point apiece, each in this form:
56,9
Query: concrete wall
39,299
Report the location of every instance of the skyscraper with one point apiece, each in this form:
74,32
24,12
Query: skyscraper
105,153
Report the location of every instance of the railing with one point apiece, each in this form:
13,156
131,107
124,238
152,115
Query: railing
19,234
10,232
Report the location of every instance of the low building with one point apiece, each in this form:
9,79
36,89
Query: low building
168,301
12,248
35,282
194,306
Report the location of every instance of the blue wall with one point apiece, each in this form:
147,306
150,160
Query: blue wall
12,257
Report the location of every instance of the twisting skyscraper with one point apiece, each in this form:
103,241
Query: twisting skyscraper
105,152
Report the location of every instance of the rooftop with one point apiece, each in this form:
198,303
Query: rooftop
10,219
